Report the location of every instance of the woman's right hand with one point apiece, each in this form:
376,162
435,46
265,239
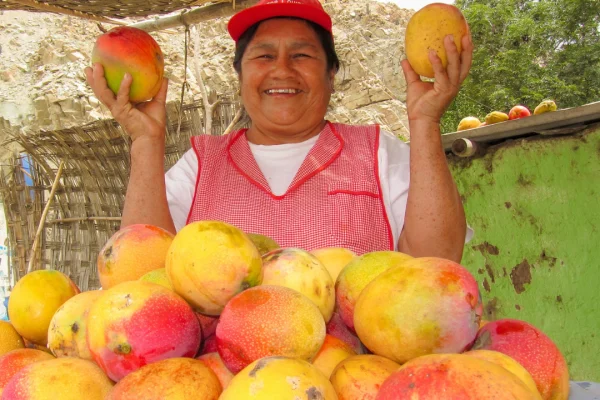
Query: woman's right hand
147,119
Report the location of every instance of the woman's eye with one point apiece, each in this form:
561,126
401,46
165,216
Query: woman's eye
266,56
301,55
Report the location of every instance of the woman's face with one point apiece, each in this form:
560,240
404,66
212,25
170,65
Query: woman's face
285,85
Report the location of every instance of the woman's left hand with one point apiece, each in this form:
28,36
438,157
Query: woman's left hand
427,101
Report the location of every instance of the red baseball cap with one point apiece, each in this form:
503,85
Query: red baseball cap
311,10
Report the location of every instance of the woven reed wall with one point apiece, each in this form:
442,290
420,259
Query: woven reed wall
103,8
87,204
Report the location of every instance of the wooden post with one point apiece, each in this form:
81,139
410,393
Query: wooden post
43,218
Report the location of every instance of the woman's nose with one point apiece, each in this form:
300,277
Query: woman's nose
282,67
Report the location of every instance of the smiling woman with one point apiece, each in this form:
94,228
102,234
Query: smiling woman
292,175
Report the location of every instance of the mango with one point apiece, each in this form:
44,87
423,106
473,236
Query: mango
158,276
264,244
426,31
544,107
360,377
495,116
531,348
451,377
137,323
34,300
468,123
425,305
171,379
61,378
269,321
130,50
9,338
67,335
210,262
299,270
508,363
214,362
331,354
273,378
357,274
132,252
334,259
14,361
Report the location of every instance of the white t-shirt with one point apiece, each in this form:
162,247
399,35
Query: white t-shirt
280,163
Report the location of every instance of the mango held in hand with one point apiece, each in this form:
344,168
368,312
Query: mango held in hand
425,305
34,300
426,31
130,50
210,262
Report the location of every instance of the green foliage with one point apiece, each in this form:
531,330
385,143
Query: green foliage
527,51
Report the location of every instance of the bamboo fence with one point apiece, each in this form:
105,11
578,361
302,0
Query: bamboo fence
86,207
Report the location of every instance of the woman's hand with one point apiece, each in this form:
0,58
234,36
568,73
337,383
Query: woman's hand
427,101
146,119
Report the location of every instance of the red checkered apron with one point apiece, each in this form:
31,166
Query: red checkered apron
334,200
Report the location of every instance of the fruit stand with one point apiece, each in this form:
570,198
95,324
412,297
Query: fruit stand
513,319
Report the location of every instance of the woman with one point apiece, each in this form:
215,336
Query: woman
292,175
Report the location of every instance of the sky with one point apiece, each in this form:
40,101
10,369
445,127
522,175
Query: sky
415,4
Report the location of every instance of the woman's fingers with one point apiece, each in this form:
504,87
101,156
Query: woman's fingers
439,72
454,62
98,84
466,56
409,73
123,92
161,96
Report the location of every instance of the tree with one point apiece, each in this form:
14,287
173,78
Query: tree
527,51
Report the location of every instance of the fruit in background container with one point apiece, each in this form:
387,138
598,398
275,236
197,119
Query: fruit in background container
9,338
357,274
334,259
495,116
453,376
34,300
210,262
518,111
130,50
269,321
331,354
544,107
263,243
136,323
426,31
64,378
531,348
67,335
175,378
425,305
14,361
507,362
468,123
132,252
273,378
299,270
360,377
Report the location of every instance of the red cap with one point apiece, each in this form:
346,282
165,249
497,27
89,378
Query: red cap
311,10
